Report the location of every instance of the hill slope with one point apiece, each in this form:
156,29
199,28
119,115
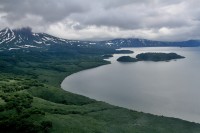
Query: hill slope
67,112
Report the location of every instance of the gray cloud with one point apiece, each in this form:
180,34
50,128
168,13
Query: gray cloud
49,10
94,19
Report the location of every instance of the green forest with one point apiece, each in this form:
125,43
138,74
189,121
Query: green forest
31,100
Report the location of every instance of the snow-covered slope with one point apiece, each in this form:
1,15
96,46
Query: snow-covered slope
24,39
136,42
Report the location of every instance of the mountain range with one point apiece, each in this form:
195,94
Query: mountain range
26,40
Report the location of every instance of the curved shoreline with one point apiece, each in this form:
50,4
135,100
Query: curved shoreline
154,114
91,97
82,71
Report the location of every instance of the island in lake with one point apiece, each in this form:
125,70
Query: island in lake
158,56
123,52
150,57
126,59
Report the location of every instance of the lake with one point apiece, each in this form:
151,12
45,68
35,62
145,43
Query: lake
163,88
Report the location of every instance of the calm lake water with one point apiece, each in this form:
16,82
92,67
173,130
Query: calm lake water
163,88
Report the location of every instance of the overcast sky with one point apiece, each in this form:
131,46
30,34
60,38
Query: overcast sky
170,20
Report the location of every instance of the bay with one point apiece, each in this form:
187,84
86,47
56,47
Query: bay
163,88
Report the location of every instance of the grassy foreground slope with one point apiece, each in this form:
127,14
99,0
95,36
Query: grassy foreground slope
31,100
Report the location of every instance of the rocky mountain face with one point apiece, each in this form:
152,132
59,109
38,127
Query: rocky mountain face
24,39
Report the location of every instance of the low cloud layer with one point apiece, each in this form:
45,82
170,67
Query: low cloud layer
171,20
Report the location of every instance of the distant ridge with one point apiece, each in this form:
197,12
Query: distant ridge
25,39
